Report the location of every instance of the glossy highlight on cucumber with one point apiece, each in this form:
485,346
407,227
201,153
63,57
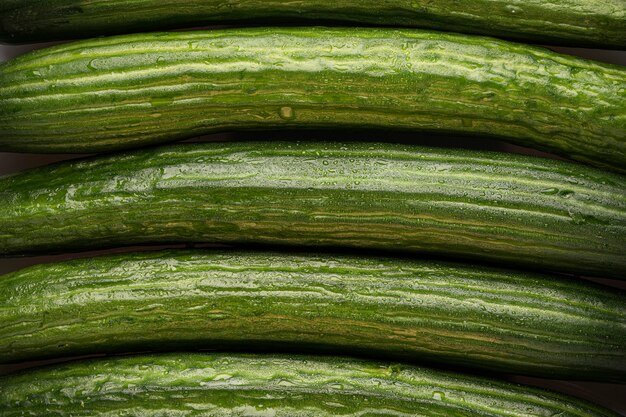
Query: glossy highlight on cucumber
222,384
511,209
485,318
127,91
592,23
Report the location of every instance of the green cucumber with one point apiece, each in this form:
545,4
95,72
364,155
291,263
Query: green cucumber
473,316
505,208
113,93
271,385
595,23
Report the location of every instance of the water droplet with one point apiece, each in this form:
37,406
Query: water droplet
285,382
287,113
325,162
513,9
438,395
37,73
192,45
148,308
549,191
160,60
91,65
336,386
577,218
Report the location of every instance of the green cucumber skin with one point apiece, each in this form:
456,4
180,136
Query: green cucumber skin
485,318
505,208
128,91
271,385
593,23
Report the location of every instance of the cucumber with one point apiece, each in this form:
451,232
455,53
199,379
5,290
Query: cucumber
271,385
121,92
516,210
595,23
479,317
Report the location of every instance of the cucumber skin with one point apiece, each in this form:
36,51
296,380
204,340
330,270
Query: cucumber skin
485,318
505,208
114,93
591,23
260,385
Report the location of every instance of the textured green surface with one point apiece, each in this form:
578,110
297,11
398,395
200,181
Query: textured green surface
247,385
447,313
500,207
126,91
600,23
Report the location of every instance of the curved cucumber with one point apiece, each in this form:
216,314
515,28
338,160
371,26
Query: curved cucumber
287,386
480,317
121,92
599,23
500,207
